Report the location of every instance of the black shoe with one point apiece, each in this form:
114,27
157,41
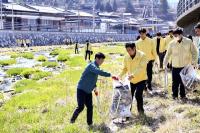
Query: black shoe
150,88
175,98
141,113
127,118
90,126
184,99
72,121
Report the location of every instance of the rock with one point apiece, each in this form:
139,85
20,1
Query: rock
45,110
18,77
60,102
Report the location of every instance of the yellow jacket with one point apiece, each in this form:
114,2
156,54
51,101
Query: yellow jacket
168,39
24,42
147,46
162,47
136,67
19,41
89,47
182,54
28,41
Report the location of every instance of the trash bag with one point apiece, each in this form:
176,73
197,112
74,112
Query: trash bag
122,100
190,78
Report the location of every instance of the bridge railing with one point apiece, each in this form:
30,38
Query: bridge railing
185,5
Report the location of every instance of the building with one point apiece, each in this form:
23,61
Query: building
188,14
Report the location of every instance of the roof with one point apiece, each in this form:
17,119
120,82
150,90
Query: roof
109,20
15,6
46,9
37,17
108,14
80,13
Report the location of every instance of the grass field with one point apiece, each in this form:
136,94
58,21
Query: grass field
45,106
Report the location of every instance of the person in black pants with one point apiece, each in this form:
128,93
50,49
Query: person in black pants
76,48
88,50
160,48
137,90
86,85
181,49
177,82
149,75
135,66
83,99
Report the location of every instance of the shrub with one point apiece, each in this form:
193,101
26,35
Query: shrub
14,55
49,64
27,55
7,62
41,75
63,56
29,71
15,71
41,58
55,52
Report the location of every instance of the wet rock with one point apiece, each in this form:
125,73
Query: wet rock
6,85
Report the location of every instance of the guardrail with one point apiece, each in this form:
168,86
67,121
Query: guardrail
185,5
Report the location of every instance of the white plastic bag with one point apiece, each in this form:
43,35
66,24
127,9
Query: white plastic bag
122,100
190,78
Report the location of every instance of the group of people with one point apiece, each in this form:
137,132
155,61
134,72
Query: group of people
175,49
23,42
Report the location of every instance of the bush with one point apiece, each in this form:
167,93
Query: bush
41,58
41,75
23,85
55,52
14,55
49,64
28,72
15,71
1,96
27,55
7,62
63,56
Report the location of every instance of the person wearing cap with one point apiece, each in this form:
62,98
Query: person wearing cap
182,52
160,47
147,46
135,64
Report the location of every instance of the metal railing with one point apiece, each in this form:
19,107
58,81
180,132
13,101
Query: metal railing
185,5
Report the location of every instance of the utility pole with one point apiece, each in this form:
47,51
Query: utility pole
1,16
123,24
13,28
93,23
79,16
